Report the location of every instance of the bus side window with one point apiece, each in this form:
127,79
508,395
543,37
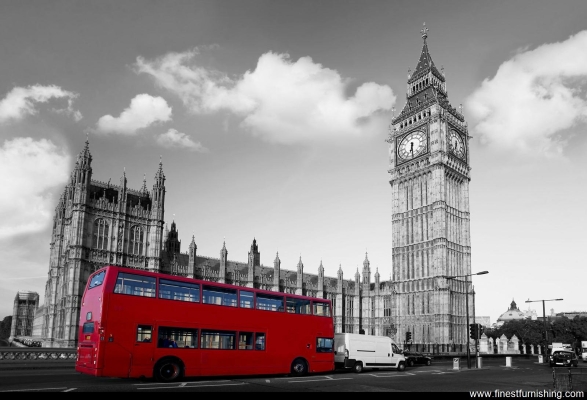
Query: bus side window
245,341
186,338
324,345
269,302
144,333
260,341
321,309
246,299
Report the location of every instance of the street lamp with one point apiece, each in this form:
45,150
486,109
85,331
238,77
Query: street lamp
544,319
467,307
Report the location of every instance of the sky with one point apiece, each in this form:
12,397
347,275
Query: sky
270,120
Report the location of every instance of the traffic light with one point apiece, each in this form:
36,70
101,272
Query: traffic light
473,331
481,329
408,336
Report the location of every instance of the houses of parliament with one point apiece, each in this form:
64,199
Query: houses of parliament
98,223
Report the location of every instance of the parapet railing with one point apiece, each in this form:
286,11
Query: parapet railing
566,379
36,353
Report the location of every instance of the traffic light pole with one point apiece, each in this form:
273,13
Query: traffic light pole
476,334
468,326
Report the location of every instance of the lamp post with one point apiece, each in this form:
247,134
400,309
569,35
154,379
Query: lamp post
467,307
545,326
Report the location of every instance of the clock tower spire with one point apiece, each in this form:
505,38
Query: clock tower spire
429,177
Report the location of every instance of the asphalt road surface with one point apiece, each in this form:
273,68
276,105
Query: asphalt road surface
523,374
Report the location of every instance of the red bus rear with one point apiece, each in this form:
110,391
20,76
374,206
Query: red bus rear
141,324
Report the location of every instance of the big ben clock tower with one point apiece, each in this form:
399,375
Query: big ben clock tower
429,177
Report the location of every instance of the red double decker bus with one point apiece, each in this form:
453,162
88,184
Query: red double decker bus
138,324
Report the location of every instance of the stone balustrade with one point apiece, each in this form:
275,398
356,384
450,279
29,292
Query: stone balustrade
36,353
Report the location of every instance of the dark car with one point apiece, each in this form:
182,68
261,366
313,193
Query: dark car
561,358
413,358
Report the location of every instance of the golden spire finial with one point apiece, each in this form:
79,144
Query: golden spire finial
424,31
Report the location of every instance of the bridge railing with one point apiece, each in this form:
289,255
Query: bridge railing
36,353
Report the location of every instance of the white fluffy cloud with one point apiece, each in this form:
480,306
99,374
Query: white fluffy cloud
144,110
21,101
31,170
174,139
533,98
281,101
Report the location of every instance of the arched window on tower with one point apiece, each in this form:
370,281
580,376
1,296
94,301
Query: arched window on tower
136,240
100,235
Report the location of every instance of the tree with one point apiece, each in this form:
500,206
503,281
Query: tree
5,326
528,331
571,331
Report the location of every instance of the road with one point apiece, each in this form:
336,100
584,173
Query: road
523,374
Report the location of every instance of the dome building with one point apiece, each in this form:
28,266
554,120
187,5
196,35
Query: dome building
512,314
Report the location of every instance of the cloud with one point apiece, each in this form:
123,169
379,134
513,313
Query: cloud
280,101
144,110
533,98
20,102
174,139
32,169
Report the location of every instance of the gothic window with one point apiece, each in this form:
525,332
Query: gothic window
387,306
349,306
100,234
408,298
136,240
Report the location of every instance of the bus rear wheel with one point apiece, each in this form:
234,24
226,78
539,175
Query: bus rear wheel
299,367
168,370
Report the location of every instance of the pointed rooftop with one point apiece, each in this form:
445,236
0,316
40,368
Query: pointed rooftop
84,158
425,62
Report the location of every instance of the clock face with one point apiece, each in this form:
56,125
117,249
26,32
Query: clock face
456,144
412,145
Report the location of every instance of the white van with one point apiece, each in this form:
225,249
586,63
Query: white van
359,352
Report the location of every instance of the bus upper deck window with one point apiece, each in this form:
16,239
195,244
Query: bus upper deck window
321,309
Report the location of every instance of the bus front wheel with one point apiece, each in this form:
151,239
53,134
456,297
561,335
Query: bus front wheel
299,367
168,370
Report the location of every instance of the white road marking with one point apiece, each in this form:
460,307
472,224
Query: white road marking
69,390
392,376
191,386
30,390
319,380
175,383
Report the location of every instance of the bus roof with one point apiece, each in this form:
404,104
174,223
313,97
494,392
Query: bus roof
205,282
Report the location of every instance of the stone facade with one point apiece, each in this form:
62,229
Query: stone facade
97,224
429,169
23,313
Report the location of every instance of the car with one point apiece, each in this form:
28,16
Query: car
413,358
563,358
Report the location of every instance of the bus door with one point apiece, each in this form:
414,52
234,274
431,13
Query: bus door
142,352
251,351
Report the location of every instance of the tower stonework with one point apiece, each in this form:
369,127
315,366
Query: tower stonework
429,177
96,224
